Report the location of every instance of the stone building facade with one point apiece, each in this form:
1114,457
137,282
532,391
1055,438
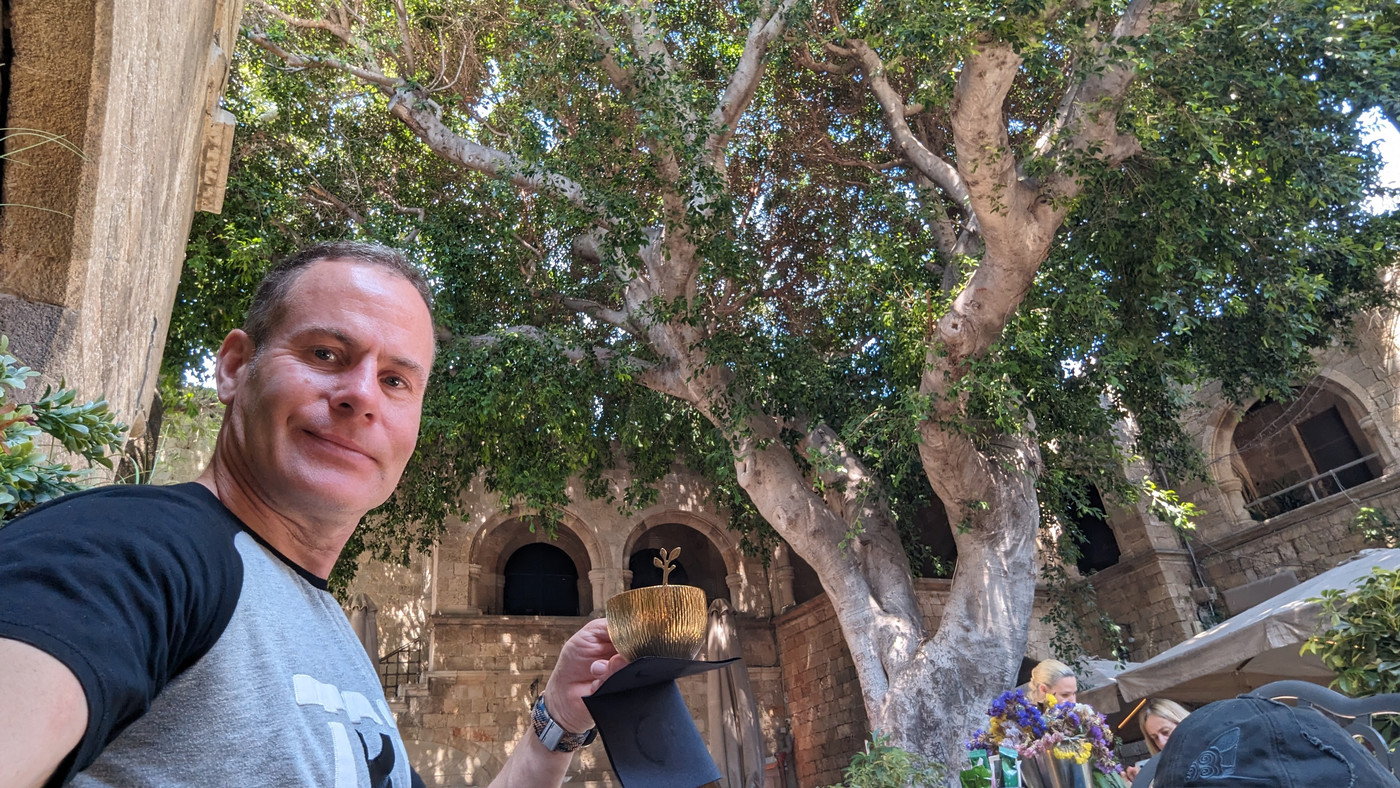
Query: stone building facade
472,629
474,624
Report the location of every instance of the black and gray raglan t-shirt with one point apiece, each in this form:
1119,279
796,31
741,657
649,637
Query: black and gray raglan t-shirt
207,658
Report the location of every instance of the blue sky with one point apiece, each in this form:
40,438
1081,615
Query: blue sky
1387,138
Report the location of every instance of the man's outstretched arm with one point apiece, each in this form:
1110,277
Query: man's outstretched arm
586,661
43,714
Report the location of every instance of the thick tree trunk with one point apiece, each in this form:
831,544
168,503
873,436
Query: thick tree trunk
941,698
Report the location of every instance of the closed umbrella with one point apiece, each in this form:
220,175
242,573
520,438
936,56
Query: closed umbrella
735,739
362,620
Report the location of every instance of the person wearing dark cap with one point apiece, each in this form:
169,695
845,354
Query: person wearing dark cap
184,636
1253,741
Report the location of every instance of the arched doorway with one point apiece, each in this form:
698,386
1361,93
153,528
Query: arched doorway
700,563
540,580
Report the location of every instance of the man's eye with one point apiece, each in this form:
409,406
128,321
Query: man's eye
394,381
324,354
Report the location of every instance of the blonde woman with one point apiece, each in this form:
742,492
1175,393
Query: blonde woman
1053,678
1157,718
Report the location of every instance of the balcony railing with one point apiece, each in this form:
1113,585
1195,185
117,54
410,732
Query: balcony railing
1323,485
401,667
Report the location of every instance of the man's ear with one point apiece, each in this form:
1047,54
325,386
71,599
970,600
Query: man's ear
232,362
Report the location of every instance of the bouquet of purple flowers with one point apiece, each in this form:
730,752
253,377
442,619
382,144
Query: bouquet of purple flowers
1063,731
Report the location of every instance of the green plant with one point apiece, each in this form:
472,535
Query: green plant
1376,526
883,765
1360,641
27,475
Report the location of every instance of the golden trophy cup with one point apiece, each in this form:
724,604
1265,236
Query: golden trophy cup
658,621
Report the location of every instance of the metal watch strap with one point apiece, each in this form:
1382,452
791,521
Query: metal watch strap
554,737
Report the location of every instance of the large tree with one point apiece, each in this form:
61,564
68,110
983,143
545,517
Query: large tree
846,257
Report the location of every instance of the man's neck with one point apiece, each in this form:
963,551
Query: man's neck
312,544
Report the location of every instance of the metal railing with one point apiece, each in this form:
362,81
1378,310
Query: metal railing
1296,496
401,667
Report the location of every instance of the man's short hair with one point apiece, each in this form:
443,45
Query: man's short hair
267,309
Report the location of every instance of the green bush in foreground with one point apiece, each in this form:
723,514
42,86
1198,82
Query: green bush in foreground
27,476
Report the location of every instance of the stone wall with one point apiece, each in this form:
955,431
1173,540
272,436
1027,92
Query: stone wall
1306,541
91,247
824,700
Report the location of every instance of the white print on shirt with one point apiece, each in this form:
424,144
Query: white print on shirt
310,692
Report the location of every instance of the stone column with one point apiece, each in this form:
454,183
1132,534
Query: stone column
1232,496
473,588
781,580
598,579
496,584
737,596
756,588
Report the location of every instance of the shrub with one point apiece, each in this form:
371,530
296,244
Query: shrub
27,476
1360,643
882,765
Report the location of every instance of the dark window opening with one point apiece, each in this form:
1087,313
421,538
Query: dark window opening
805,582
645,572
1098,546
1333,451
699,563
540,580
934,551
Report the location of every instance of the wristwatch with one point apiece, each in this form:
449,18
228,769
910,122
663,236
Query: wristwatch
554,737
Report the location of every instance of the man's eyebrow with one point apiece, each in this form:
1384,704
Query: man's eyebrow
345,339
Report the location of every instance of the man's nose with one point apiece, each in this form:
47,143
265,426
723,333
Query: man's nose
359,392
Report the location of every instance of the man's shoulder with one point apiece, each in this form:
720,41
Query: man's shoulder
126,499
141,514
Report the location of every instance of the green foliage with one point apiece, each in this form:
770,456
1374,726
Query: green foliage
1233,246
27,476
1378,526
1359,641
882,765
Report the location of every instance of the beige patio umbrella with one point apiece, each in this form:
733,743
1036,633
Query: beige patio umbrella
1253,648
735,739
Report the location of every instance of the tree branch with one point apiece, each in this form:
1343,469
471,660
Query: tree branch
621,78
921,158
457,149
1088,114
296,61
576,355
613,317
766,26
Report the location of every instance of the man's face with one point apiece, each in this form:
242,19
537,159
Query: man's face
324,416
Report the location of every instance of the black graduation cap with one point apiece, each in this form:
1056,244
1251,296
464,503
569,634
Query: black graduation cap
646,728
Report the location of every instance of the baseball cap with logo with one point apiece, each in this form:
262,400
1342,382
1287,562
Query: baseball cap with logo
1253,741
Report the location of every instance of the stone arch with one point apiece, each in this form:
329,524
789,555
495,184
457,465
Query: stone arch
1265,448
500,537
712,561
